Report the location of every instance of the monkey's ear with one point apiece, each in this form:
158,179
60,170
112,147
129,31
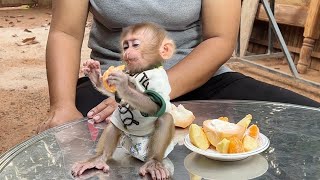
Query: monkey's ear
167,49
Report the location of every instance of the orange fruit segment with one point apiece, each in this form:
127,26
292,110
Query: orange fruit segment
235,145
108,87
253,131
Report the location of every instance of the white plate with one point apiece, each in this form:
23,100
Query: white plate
263,144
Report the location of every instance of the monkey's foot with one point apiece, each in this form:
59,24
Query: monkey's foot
91,68
156,169
79,167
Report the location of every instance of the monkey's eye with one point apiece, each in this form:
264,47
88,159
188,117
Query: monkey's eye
125,46
136,43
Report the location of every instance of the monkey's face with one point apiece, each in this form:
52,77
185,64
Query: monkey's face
135,53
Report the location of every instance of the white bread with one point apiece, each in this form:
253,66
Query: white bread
181,116
216,130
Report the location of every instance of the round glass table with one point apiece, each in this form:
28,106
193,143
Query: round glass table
293,153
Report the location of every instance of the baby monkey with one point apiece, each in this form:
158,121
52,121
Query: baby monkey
141,123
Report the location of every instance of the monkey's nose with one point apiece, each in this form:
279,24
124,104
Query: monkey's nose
126,55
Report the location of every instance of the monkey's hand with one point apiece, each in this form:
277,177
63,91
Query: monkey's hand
121,81
98,163
155,169
92,69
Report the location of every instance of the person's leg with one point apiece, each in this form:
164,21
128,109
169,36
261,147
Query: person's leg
87,97
237,86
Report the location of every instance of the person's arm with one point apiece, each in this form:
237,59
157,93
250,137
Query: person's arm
220,23
63,59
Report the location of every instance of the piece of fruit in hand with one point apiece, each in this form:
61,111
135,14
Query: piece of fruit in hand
197,137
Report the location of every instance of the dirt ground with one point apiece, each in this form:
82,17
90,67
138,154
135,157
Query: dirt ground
23,86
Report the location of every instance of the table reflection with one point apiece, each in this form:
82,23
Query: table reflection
293,153
200,167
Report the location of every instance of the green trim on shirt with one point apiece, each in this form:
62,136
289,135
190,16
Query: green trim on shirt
155,97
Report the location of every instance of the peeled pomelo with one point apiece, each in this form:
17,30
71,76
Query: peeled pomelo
216,130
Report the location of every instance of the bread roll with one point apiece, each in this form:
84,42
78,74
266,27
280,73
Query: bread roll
216,130
106,74
181,116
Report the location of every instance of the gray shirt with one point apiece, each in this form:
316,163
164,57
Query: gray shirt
180,18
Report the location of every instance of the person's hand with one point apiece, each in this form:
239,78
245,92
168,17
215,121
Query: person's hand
103,110
59,116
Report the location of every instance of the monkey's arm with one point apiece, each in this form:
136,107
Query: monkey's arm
145,102
149,102
108,141
219,32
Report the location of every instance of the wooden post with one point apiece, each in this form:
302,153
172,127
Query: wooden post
311,34
248,14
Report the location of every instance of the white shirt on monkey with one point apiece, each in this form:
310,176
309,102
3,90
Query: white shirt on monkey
137,127
154,83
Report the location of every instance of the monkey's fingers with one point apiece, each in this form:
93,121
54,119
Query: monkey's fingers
113,82
91,62
152,173
158,174
86,70
76,168
96,164
86,166
165,174
94,65
87,64
155,169
143,169
91,66
80,167
118,80
114,76
102,166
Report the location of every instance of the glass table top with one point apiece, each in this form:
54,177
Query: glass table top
293,153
